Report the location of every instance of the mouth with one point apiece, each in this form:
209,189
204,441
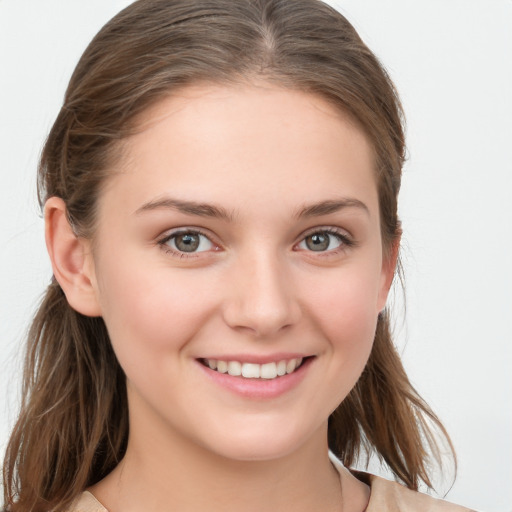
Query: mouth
267,371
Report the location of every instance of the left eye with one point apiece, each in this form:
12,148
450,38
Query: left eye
188,242
321,241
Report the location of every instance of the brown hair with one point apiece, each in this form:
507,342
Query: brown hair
73,427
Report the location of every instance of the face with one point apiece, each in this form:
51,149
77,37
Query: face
238,267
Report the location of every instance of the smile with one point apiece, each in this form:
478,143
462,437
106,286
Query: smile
267,371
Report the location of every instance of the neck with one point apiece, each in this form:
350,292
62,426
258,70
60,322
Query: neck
167,472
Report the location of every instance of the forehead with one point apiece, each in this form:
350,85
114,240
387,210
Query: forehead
246,145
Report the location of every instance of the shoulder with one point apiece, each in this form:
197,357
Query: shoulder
385,496
391,496
86,502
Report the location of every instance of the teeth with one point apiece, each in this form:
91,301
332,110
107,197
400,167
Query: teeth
234,368
290,366
268,371
253,370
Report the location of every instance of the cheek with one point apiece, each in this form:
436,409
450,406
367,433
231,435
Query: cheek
350,329
149,312
347,307
346,313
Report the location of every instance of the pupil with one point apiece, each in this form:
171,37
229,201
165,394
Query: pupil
187,243
317,242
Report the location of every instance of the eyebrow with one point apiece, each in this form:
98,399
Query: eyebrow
188,207
211,210
330,206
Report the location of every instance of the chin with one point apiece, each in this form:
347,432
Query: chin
263,445
253,452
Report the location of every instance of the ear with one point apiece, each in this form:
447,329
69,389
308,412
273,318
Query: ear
389,263
71,258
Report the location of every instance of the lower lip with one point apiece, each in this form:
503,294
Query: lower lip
258,388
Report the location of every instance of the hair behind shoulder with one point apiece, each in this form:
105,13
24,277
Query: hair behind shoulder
73,425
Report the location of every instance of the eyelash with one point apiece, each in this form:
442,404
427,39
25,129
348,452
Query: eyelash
182,254
345,242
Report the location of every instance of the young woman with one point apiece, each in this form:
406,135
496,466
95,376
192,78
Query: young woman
220,196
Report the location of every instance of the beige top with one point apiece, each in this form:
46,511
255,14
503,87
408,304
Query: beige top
385,496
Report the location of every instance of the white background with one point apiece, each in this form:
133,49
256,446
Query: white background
452,63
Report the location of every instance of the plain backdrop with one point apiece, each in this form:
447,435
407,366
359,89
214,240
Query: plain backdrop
452,63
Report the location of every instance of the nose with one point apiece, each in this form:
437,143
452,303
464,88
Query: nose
261,299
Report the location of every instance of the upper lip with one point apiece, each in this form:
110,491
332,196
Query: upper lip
258,359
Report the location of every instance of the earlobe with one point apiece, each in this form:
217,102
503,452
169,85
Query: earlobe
71,259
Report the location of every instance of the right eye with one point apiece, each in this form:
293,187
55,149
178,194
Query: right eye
321,241
187,242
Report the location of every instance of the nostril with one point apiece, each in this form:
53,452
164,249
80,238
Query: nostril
263,305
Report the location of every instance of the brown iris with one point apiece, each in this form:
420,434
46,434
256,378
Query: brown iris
187,242
317,241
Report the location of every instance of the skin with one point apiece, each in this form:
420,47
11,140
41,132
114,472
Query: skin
260,155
